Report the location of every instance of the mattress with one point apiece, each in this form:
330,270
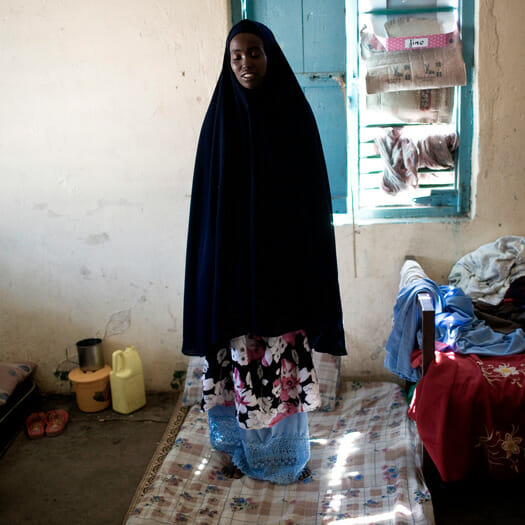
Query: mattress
365,461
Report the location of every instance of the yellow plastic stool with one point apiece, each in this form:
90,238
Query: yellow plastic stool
91,388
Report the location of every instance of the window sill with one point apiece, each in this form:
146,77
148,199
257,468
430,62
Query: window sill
344,219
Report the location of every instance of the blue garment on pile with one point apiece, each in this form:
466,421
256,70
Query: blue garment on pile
277,454
456,326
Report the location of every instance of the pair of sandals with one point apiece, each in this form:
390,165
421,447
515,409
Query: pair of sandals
52,423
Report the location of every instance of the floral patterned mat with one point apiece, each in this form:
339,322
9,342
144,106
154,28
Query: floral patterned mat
365,459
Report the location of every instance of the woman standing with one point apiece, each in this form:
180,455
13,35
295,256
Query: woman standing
261,284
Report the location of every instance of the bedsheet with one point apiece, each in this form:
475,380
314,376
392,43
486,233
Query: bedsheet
470,414
365,462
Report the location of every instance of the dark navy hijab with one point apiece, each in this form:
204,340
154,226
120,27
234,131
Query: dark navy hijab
261,251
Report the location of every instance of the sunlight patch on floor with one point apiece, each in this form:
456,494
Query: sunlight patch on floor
399,510
201,467
347,447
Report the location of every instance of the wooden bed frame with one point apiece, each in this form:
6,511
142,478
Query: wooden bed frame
427,310
428,329
426,307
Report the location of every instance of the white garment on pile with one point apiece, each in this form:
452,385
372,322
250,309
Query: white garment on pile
486,273
411,271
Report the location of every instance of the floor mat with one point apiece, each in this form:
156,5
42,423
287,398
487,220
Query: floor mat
365,462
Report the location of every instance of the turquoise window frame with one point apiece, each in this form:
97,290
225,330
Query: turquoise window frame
445,204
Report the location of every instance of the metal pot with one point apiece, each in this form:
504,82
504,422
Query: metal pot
90,354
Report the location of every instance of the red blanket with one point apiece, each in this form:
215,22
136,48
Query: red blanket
471,410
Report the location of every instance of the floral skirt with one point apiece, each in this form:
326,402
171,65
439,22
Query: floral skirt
265,378
257,394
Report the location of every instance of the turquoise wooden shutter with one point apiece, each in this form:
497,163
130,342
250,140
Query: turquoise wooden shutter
312,36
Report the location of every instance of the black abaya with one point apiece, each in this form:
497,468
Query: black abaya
261,250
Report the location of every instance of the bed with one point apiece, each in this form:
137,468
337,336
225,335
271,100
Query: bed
365,459
18,395
463,345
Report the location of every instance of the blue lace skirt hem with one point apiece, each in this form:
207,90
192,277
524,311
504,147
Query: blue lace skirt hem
277,454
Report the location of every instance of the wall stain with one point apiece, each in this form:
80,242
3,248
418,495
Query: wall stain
97,238
121,203
118,323
377,353
42,206
174,319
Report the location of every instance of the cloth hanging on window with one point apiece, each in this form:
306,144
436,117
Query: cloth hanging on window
403,155
261,250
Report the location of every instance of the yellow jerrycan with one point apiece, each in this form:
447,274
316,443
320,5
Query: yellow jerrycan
127,381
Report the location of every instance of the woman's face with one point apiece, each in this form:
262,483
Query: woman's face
248,59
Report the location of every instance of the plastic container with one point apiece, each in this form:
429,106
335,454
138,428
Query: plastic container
127,381
91,388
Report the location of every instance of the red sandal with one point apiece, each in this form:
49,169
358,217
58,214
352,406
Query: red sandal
36,425
56,422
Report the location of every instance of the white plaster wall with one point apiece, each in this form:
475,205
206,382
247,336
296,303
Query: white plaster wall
101,104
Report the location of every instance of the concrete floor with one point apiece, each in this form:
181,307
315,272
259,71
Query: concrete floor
87,475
